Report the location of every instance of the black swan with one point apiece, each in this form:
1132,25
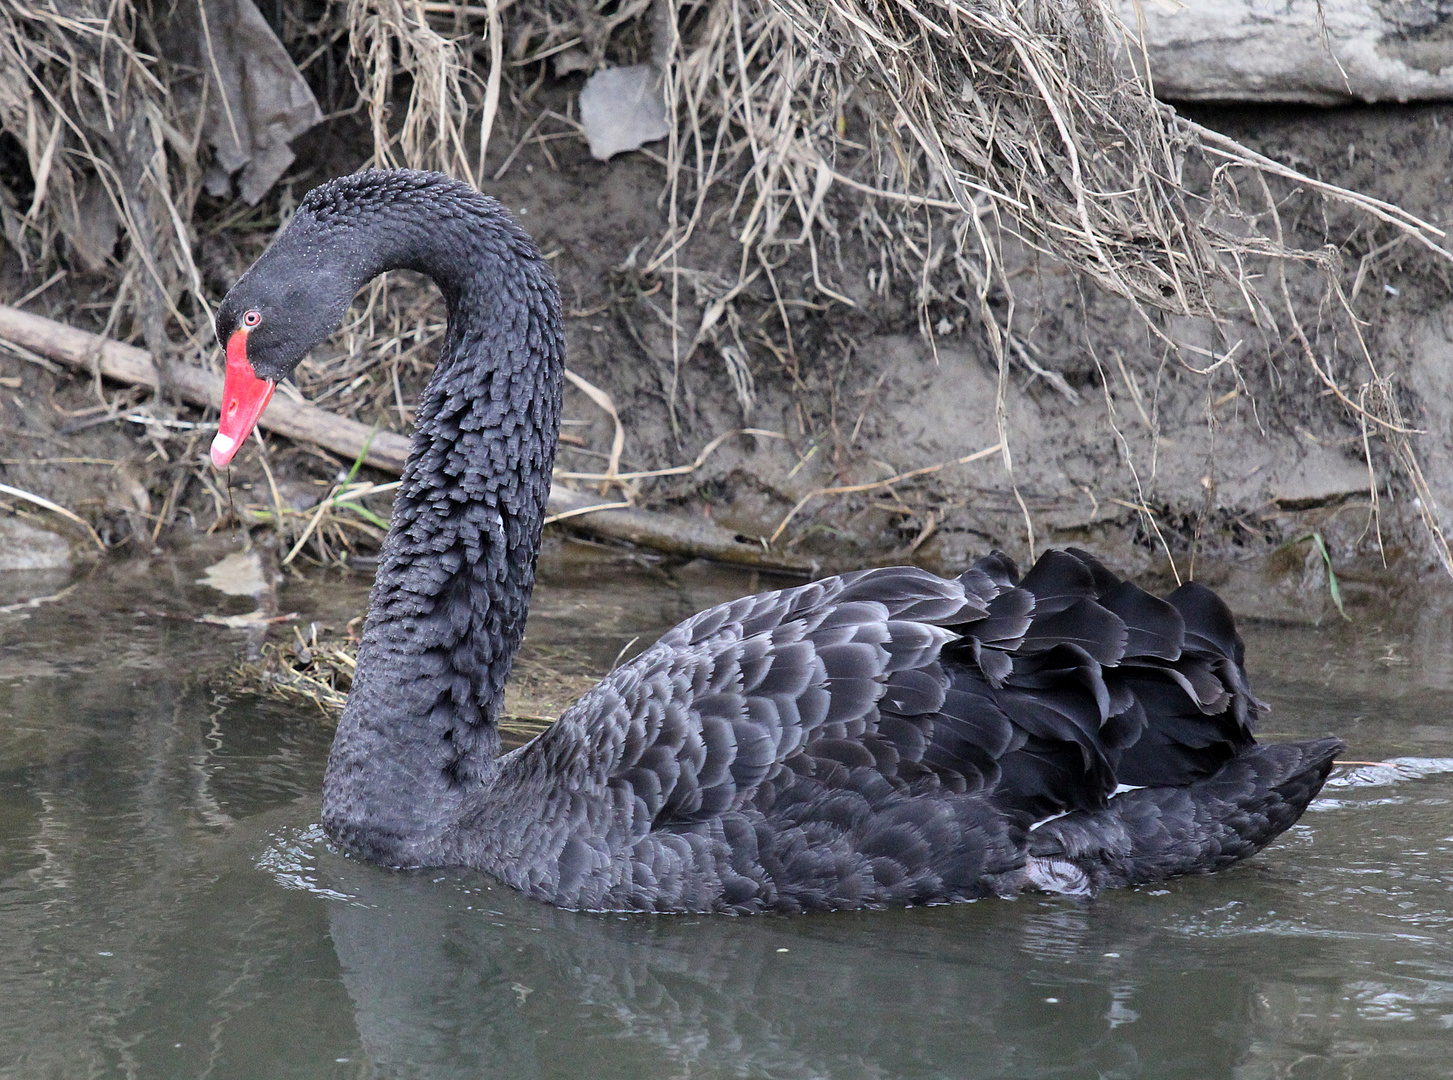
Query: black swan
886,737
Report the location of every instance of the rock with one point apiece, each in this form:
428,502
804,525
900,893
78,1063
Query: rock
27,546
1320,478
1327,53
622,108
1429,375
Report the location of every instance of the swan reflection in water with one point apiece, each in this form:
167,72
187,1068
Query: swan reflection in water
452,975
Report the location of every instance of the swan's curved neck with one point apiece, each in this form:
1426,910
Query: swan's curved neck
455,575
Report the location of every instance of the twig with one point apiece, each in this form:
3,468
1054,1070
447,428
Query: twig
689,537
567,514
674,470
387,450
850,489
56,508
46,284
125,363
37,601
602,399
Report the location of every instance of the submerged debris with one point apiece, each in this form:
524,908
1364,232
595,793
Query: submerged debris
316,665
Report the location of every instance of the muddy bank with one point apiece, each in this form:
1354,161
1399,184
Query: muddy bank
1116,443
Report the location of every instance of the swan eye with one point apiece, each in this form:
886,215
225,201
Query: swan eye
251,318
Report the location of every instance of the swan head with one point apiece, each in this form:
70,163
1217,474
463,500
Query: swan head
345,233
286,304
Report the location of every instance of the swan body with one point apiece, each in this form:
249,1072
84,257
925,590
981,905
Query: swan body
886,737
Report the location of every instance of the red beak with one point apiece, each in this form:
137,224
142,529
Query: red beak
244,396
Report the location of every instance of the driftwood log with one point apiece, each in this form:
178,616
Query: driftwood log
298,420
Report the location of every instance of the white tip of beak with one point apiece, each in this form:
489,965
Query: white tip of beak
223,447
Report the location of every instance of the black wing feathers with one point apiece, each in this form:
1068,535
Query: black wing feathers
893,737
1210,628
1042,693
1103,682
1057,580
1154,628
1098,631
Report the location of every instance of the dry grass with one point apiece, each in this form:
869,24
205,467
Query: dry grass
937,129
934,133
317,665
111,153
390,37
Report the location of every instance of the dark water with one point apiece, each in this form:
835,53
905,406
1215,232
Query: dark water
168,910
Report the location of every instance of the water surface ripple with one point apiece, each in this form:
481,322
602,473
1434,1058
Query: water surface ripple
168,907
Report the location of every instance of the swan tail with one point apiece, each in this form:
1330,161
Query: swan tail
1155,833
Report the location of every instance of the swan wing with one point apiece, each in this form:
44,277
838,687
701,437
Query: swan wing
694,725
856,718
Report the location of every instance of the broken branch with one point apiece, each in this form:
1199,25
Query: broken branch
387,450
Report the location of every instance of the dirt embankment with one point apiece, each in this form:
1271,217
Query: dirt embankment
1117,442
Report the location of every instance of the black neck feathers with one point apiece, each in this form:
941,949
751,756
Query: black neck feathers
457,569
